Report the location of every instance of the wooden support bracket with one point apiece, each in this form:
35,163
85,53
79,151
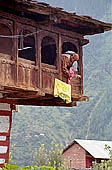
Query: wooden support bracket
80,98
45,102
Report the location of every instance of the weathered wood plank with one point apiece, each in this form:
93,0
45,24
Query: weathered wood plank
7,69
23,94
47,102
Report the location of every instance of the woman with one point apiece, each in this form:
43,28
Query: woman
68,60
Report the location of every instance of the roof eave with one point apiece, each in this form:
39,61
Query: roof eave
89,25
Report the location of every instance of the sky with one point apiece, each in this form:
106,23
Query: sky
93,8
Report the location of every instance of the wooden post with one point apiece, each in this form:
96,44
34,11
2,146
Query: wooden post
38,60
81,68
59,56
5,130
15,53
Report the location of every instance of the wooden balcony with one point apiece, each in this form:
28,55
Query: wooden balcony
21,83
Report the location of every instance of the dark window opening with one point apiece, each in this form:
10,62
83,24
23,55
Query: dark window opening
48,51
98,160
68,46
26,46
6,43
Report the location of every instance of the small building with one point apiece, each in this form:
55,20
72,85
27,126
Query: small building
81,153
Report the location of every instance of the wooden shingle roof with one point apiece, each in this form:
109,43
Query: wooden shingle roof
71,21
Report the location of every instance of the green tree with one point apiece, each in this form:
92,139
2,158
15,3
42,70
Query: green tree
104,165
42,156
49,157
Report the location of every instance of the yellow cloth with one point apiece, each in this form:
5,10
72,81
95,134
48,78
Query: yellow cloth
63,90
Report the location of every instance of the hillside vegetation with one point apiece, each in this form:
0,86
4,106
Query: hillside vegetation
33,126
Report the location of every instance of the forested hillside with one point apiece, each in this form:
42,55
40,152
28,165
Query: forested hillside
92,120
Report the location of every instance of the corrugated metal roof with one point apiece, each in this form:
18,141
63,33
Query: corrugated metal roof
95,148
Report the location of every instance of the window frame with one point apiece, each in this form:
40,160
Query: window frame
10,25
75,42
55,37
21,28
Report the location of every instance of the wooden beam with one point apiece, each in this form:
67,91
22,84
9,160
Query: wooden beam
83,42
20,88
24,94
50,28
43,102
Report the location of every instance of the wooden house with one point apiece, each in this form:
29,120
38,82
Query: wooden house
33,37
81,154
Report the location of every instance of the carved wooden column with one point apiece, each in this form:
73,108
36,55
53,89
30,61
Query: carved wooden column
15,53
81,68
38,59
82,42
59,56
